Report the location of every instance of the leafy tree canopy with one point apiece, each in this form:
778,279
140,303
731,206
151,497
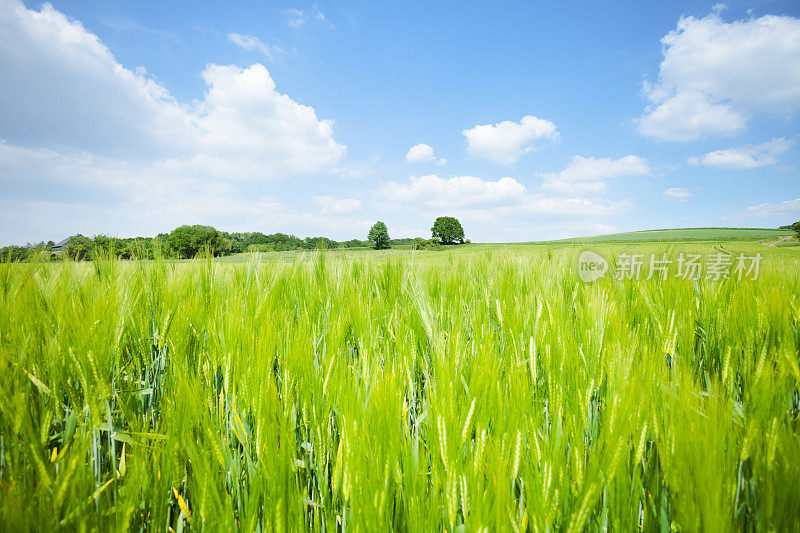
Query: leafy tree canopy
188,241
448,230
79,247
379,235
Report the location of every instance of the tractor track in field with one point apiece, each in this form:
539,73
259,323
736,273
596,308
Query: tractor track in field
773,243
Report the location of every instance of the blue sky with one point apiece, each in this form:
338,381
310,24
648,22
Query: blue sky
527,121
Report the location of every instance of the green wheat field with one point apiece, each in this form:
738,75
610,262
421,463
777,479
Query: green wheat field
484,388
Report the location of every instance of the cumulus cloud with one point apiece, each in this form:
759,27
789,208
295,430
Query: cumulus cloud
423,153
588,175
745,157
677,194
250,42
716,74
249,129
420,153
331,204
89,101
507,141
97,131
687,116
92,103
487,201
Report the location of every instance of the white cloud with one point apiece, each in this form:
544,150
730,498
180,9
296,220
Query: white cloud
295,18
485,201
458,191
251,130
588,175
420,153
745,157
715,74
128,198
100,132
423,153
485,205
320,16
677,194
689,115
111,195
91,103
250,42
507,141
331,204
787,208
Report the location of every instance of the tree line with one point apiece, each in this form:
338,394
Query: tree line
183,242
794,227
445,231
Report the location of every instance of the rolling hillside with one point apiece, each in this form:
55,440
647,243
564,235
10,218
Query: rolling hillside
687,234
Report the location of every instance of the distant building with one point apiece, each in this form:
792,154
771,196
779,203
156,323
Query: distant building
59,247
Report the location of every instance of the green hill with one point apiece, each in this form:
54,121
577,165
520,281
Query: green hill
686,234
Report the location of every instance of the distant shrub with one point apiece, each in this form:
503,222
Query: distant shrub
426,244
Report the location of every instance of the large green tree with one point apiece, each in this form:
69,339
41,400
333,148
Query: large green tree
379,235
448,230
79,247
188,241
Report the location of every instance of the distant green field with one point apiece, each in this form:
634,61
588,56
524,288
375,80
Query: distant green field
686,234
602,244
